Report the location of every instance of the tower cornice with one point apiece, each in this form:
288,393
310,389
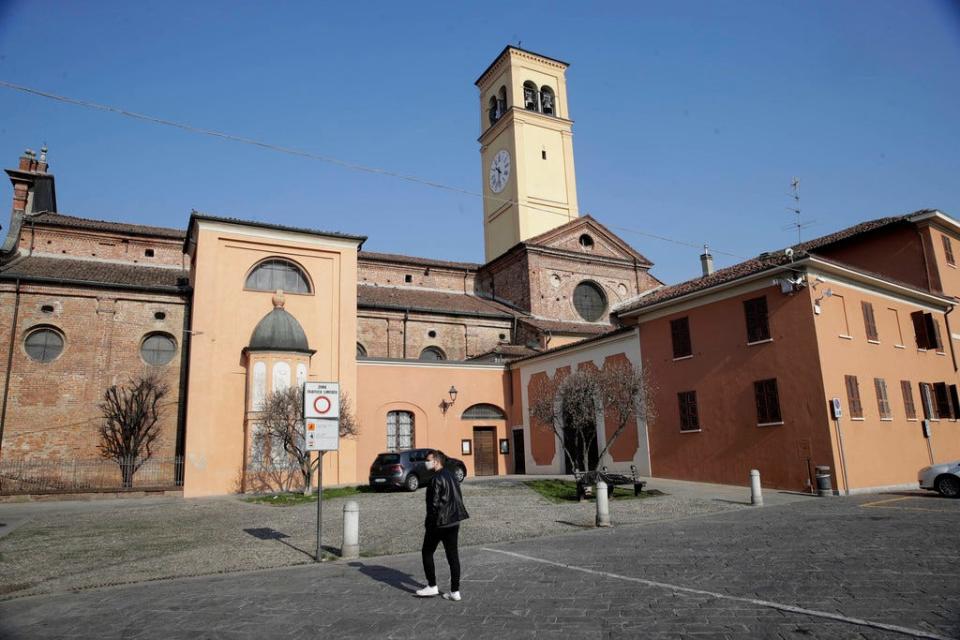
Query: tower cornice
523,54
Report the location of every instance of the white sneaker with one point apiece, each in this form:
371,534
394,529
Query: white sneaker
453,595
428,592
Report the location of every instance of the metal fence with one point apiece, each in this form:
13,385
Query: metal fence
18,477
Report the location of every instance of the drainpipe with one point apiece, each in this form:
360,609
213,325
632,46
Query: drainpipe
6,383
185,341
946,321
406,315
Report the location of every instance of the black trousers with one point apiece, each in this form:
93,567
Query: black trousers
448,536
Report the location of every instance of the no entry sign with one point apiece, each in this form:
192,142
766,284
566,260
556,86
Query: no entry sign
321,400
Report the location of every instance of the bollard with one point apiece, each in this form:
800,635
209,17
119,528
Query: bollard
603,505
351,531
756,497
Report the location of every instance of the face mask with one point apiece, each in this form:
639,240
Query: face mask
429,464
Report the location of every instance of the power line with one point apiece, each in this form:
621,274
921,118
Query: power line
353,166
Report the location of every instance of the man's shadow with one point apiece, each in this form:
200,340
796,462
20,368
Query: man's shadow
392,577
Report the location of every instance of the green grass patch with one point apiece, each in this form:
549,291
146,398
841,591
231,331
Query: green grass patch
292,499
561,491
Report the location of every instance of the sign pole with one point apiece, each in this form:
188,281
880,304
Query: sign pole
319,499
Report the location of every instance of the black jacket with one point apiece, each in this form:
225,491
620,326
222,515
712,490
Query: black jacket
444,501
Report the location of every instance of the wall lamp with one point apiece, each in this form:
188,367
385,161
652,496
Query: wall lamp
444,405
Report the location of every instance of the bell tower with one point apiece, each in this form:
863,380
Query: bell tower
526,149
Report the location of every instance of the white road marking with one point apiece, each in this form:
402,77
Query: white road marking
916,633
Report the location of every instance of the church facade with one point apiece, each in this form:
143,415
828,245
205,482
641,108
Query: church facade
449,355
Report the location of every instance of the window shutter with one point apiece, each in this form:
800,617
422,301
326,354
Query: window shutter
689,418
758,325
883,403
948,250
869,321
680,332
944,410
768,401
909,408
920,329
926,398
936,340
954,401
853,397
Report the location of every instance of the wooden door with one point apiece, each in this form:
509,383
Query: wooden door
485,451
519,456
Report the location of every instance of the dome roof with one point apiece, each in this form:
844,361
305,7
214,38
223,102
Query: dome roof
279,331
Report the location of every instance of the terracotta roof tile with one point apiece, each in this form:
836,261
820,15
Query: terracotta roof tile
373,297
761,263
90,272
427,262
506,352
556,326
73,222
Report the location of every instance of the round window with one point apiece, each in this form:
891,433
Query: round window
158,349
589,301
44,344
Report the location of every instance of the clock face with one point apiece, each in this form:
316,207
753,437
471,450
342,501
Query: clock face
499,171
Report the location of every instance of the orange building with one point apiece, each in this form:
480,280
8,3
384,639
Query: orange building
445,354
746,360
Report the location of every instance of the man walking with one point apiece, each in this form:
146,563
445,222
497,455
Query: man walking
445,512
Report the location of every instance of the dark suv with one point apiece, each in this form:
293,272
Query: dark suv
406,469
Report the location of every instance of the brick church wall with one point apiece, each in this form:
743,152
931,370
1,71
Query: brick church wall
52,410
103,246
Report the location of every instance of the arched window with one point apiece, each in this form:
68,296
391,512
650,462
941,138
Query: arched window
531,99
502,101
44,344
433,353
158,349
281,376
492,111
399,430
589,301
548,101
274,274
483,411
361,351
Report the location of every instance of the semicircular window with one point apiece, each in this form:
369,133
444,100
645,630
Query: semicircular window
44,344
484,411
274,274
158,349
433,353
589,301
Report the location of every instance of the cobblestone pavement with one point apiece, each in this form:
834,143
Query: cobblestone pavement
57,547
853,565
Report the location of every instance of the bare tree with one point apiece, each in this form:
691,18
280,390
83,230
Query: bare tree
131,413
570,407
625,394
282,425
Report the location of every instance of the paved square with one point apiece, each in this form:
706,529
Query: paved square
861,567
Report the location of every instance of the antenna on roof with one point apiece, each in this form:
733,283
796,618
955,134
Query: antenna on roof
799,225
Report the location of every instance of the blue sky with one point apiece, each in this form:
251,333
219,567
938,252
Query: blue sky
690,118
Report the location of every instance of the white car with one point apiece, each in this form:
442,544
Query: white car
944,478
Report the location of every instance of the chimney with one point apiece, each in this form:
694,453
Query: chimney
706,261
33,188
34,191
